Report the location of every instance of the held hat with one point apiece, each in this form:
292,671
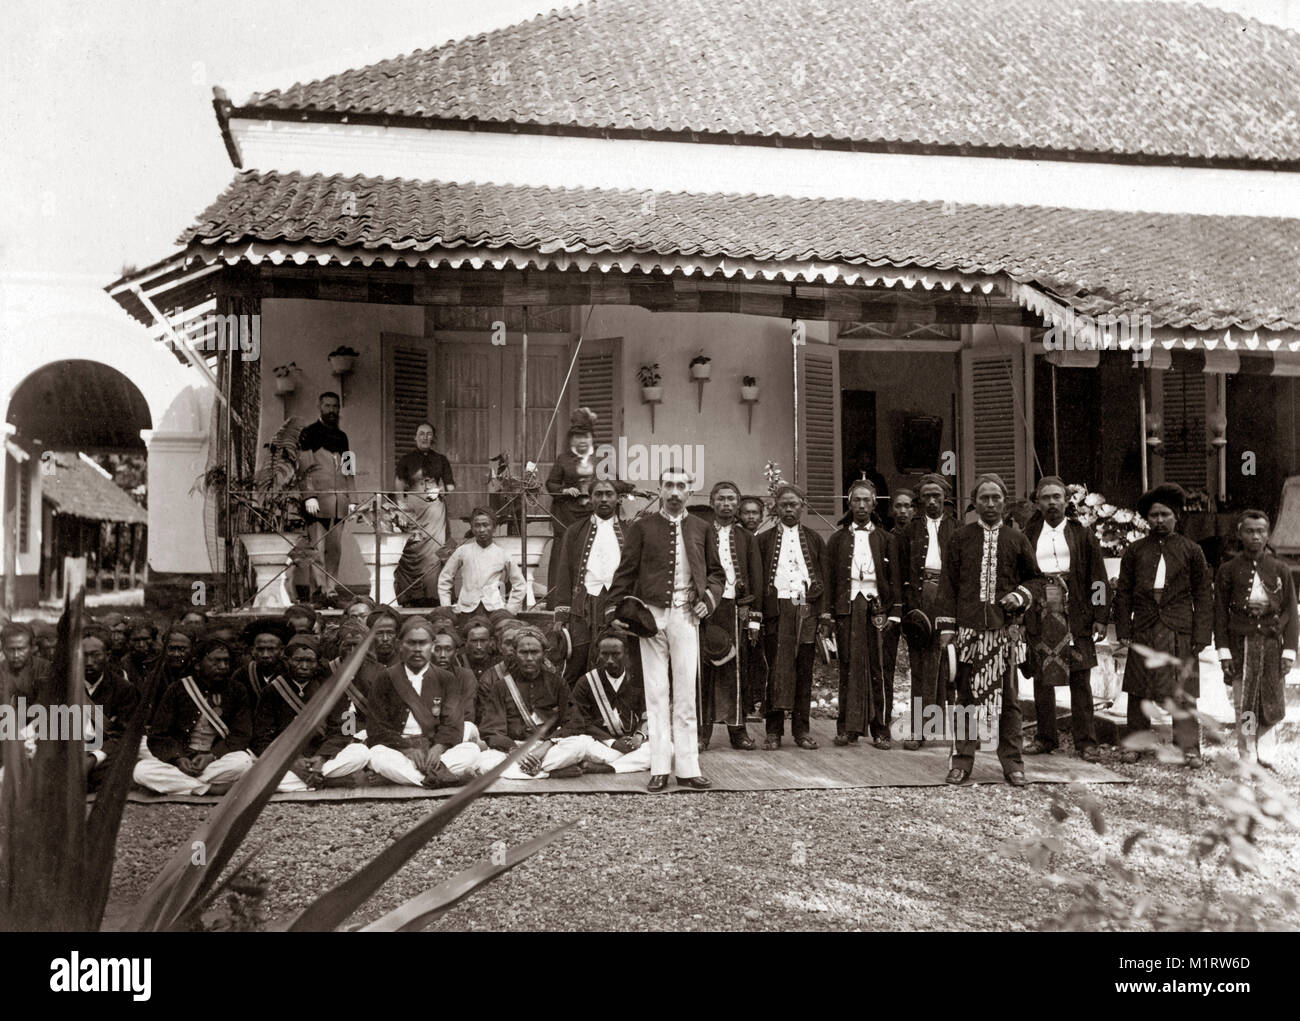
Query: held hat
634,613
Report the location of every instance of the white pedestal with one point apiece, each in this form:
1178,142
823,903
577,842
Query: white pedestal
268,554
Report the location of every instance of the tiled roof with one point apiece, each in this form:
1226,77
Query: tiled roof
1199,272
1084,76
80,491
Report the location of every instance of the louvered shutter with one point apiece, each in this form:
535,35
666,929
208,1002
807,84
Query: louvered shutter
1185,461
409,397
992,427
599,387
819,427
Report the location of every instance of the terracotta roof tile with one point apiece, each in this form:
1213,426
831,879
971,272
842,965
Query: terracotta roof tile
1202,272
1139,78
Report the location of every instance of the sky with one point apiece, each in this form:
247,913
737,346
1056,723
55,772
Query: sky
109,146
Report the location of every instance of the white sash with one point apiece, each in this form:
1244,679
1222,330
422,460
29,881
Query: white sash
525,712
612,722
208,712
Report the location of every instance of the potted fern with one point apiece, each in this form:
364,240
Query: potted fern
701,366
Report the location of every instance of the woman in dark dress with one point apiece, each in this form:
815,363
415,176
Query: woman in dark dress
569,484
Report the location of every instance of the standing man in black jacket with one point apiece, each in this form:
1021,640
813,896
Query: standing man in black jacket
865,594
669,563
924,540
794,611
1065,626
1164,600
722,687
988,570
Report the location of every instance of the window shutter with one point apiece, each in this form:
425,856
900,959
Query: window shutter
819,426
599,387
992,430
409,400
1185,461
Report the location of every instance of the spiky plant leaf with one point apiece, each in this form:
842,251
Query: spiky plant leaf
173,899
426,907
332,908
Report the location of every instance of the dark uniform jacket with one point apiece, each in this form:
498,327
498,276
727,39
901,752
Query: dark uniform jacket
176,714
839,564
649,561
500,724
570,589
745,562
120,701
1089,588
1186,606
814,558
961,604
585,716
441,691
1233,618
913,551
274,713
25,682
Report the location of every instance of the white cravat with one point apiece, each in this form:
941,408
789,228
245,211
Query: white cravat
412,728
724,552
602,562
1160,573
616,682
933,554
862,569
1053,551
792,578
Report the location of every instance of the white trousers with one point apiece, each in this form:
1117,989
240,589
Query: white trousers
678,640
351,759
565,752
392,765
164,778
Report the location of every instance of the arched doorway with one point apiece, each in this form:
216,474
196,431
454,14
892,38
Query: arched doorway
58,501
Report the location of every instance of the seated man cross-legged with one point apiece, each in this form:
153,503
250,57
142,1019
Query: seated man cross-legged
201,729
279,705
514,702
608,705
416,726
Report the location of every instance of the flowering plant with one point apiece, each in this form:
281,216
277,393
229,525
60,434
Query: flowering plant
1116,528
772,472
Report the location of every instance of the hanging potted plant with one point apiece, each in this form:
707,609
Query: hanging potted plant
284,381
701,366
652,392
748,388
342,359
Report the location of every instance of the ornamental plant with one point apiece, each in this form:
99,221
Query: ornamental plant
1116,528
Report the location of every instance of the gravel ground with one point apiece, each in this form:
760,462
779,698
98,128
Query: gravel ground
880,858
877,858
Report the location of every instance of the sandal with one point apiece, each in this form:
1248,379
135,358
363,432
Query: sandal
806,742
771,744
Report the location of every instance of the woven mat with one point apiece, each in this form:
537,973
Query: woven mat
788,769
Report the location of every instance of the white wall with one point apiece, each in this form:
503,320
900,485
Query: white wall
563,162
47,318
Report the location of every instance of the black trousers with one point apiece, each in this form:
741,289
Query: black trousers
1009,738
801,716
1083,726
